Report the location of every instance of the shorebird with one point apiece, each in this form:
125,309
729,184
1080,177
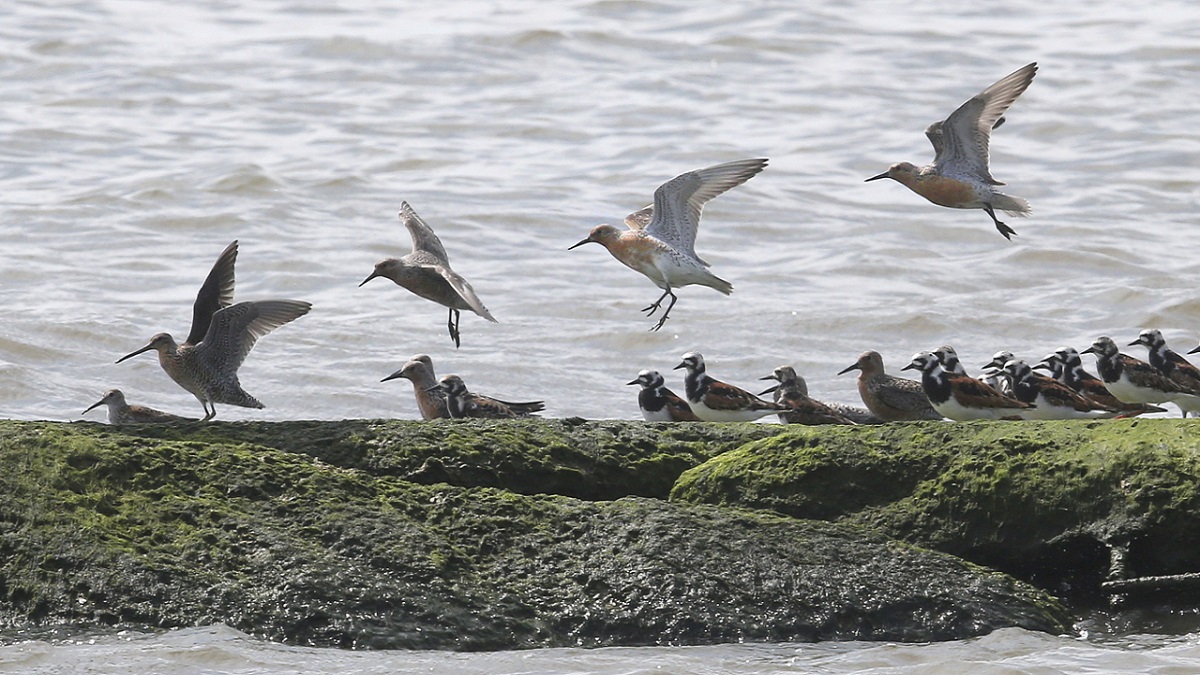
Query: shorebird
715,401
1129,379
961,397
994,375
120,412
1052,399
1066,366
959,176
426,272
890,398
1176,368
949,360
462,403
660,241
431,401
222,334
792,391
659,404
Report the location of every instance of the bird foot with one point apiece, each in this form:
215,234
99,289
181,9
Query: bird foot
660,323
1005,230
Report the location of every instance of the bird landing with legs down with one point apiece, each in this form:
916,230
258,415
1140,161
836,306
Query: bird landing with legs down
660,241
959,176
222,334
426,272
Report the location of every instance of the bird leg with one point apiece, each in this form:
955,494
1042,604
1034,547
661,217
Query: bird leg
1004,229
208,414
663,318
452,324
651,309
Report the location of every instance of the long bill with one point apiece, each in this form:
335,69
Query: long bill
581,242
132,354
93,406
373,275
882,175
767,391
843,371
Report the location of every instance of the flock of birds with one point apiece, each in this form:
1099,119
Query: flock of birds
659,242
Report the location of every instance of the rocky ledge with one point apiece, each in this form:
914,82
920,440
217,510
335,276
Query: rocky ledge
476,535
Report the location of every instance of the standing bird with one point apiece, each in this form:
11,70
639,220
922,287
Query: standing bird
1066,366
1129,379
792,391
659,404
962,397
1176,368
948,358
959,176
890,398
660,241
714,401
222,334
994,374
426,272
1052,399
120,412
462,403
431,400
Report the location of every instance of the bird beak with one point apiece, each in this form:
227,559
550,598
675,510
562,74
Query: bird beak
1041,365
1134,343
634,382
581,242
910,366
882,175
681,365
132,354
767,391
393,375
373,275
1089,350
848,368
436,387
1195,351
92,407
770,377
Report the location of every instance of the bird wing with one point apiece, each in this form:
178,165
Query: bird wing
679,201
903,394
972,392
965,134
1184,373
235,329
423,238
639,220
215,294
464,290
722,396
1147,375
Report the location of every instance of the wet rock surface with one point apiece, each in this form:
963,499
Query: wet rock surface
317,533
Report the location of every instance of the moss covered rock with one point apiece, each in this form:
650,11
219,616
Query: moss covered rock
103,526
1048,502
572,457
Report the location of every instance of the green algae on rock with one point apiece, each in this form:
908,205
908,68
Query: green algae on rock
104,527
1047,502
572,457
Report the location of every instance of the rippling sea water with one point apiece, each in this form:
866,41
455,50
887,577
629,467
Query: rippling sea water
140,138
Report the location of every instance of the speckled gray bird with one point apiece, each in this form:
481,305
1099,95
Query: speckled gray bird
426,272
222,334
890,398
120,412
